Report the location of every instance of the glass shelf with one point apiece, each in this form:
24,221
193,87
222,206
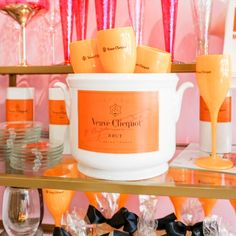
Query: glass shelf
176,182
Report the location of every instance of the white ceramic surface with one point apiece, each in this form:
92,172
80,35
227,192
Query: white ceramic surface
56,131
19,93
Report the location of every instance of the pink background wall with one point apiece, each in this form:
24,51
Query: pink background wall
40,53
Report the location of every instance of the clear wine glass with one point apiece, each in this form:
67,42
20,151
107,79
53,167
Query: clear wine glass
136,15
21,212
22,11
201,14
53,19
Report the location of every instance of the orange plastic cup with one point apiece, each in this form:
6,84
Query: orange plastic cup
152,60
117,49
84,56
58,200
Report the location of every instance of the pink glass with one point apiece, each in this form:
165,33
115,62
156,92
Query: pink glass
136,15
81,16
169,15
23,11
66,11
105,14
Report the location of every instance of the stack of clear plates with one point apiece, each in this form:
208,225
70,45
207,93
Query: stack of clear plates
36,156
15,133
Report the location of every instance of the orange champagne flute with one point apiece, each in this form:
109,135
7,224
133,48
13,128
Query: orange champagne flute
71,164
213,73
207,178
179,176
57,200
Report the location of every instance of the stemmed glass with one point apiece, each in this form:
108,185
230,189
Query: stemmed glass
212,179
57,200
169,15
213,73
136,15
22,11
53,19
81,16
21,211
116,201
202,14
66,12
105,14
179,176
148,208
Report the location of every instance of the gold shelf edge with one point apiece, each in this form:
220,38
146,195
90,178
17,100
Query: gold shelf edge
66,69
19,70
129,187
183,68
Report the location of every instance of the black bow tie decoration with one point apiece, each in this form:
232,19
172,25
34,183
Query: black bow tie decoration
162,222
123,217
178,228
117,233
129,221
59,231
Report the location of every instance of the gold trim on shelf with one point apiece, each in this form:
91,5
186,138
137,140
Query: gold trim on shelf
149,187
66,69
21,70
183,68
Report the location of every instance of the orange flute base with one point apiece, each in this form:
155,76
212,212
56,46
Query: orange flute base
214,163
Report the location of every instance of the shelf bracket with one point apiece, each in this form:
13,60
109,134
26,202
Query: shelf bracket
12,80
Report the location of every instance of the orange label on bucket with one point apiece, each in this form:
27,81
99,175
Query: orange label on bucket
224,113
118,122
19,110
57,113
234,26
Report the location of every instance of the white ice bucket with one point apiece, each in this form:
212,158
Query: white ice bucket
123,126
